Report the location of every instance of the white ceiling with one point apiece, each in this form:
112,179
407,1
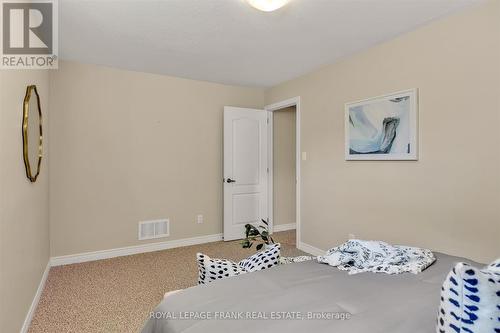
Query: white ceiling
228,41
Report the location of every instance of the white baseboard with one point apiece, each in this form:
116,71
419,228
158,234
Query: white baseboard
36,299
310,249
129,250
284,227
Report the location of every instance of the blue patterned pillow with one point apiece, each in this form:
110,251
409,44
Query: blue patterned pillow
267,258
210,269
470,300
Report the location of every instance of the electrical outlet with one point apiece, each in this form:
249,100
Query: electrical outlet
351,236
199,219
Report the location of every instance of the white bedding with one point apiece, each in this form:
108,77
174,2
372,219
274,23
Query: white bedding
357,256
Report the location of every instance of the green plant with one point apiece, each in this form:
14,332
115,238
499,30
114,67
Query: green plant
258,235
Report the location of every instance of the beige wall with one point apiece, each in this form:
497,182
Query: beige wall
128,147
24,207
284,166
450,199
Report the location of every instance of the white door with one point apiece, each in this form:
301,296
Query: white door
245,170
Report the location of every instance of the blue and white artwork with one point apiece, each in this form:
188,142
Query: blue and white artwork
382,128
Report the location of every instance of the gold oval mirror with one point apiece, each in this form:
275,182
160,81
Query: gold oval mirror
32,133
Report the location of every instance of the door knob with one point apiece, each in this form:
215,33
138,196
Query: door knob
229,180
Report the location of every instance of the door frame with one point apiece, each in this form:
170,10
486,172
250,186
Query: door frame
294,101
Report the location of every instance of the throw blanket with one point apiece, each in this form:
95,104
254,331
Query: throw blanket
357,256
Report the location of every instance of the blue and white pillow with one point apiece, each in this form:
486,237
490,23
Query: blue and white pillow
268,258
470,300
210,269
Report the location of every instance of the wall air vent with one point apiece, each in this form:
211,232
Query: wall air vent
154,229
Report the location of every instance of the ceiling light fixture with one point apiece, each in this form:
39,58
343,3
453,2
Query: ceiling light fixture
267,5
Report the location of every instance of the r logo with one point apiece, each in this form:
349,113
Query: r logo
27,28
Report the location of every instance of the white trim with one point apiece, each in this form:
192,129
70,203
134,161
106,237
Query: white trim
36,299
284,227
295,101
310,249
130,250
270,168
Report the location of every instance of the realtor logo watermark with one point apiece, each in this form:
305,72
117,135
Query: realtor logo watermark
29,34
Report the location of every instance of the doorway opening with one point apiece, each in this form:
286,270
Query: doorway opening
284,167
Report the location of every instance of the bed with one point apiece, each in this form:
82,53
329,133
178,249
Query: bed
366,302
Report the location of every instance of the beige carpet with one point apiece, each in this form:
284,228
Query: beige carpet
116,295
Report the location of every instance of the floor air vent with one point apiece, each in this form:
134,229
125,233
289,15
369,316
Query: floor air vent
153,229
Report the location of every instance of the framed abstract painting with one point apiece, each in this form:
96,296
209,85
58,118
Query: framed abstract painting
382,128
